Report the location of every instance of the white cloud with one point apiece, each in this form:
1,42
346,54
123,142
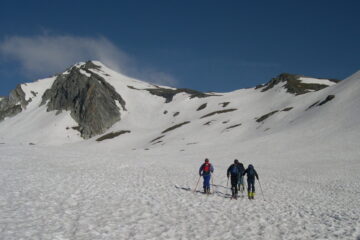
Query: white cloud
46,55
157,77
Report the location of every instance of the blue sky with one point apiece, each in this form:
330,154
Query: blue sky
204,45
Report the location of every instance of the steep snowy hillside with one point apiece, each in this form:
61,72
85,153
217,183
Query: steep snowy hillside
134,178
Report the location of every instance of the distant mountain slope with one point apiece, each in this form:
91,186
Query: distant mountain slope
91,101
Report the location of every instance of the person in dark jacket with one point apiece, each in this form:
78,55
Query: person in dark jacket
241,187
251,174
234,171
205,170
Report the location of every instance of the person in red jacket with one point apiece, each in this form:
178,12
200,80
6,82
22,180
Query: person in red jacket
205,170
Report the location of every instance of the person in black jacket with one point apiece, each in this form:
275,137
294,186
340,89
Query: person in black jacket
251,174
234,171
241,187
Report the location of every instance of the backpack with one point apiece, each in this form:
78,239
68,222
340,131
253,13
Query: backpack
206,168
234,170
251,172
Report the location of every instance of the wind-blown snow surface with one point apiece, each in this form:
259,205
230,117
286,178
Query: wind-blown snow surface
79,193
129,188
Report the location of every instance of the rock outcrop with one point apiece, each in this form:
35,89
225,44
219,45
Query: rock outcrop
13,104
169,94
94,104
293,84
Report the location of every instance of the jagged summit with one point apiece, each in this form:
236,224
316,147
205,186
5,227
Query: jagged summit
92,101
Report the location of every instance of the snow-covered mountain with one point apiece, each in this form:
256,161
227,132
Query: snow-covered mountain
93,154
90,100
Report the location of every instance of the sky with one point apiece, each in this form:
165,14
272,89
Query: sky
203,45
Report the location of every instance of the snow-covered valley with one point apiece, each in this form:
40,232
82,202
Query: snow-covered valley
138,185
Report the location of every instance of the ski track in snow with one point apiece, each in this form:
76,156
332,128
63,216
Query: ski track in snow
53,193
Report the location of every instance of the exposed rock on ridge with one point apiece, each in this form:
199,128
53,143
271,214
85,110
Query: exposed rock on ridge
169,94
13,104
94,104
293,84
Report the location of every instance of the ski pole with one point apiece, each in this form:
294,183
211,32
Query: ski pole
261,190
212,182
197,184
227,185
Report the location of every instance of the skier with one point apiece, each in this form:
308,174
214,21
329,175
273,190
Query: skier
205,170
241,187
234,171
251,174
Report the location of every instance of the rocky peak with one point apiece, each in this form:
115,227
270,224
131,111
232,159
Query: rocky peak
293,84
94,104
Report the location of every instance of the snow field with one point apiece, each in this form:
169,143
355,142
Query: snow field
68,193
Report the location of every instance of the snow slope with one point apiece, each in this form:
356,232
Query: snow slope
130,188
308,80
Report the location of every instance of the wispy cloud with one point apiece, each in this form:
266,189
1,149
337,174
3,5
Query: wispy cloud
156,77
43,55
